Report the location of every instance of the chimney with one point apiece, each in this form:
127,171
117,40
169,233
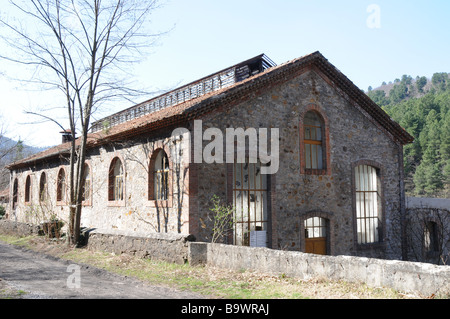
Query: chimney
66,136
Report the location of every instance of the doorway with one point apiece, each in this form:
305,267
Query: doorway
316,229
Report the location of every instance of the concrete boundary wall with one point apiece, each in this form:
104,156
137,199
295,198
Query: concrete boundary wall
424,202
409,277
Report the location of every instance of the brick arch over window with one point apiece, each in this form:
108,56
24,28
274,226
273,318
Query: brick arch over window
160,177
116,180
314,141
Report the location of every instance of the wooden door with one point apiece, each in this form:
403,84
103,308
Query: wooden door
316,236
316,245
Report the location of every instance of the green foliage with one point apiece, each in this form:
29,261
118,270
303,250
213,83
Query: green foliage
2,211
378,97
222,218
420,83
425,114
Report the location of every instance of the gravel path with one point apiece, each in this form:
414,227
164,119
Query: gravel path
45,277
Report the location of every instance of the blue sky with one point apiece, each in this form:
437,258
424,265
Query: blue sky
412,38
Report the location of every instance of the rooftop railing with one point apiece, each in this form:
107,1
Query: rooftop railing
211,83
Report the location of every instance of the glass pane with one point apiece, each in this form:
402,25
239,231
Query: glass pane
311,118
318,133
308,155
249,199
314,156
118,170
245,176
359,203
237,176
319,157
307,133
251,176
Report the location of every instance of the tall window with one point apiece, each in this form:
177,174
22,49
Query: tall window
313,141
116,180
86,183
43,187
15,193
61,186
28,189
431,237
161,176
250,203
368,222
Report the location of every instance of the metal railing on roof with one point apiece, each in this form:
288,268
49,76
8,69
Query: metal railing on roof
211,83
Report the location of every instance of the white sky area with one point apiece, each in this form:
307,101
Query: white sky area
406,37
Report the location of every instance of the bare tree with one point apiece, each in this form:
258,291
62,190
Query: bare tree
80,48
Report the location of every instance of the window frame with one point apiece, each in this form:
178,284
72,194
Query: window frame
112,180
43,188
380,204
28,190
329,224
15,192
88,201
60,187
243,223
324,142
151,196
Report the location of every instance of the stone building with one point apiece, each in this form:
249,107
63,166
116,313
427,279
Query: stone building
335,181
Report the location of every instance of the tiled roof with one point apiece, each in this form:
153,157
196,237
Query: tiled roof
232,95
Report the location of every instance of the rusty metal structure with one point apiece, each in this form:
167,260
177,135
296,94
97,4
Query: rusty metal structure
193,90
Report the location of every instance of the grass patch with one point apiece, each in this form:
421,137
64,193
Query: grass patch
25,242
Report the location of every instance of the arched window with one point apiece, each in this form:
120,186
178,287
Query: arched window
314,142
313,136
161,176
116,180
86,184
28,189
43,187
368,204
15,193
61,186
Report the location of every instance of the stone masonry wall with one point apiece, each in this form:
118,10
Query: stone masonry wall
135,212
160,246
9,227
352,137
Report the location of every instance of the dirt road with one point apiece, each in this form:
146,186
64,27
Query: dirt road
41,276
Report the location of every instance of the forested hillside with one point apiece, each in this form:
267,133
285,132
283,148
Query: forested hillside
422,107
